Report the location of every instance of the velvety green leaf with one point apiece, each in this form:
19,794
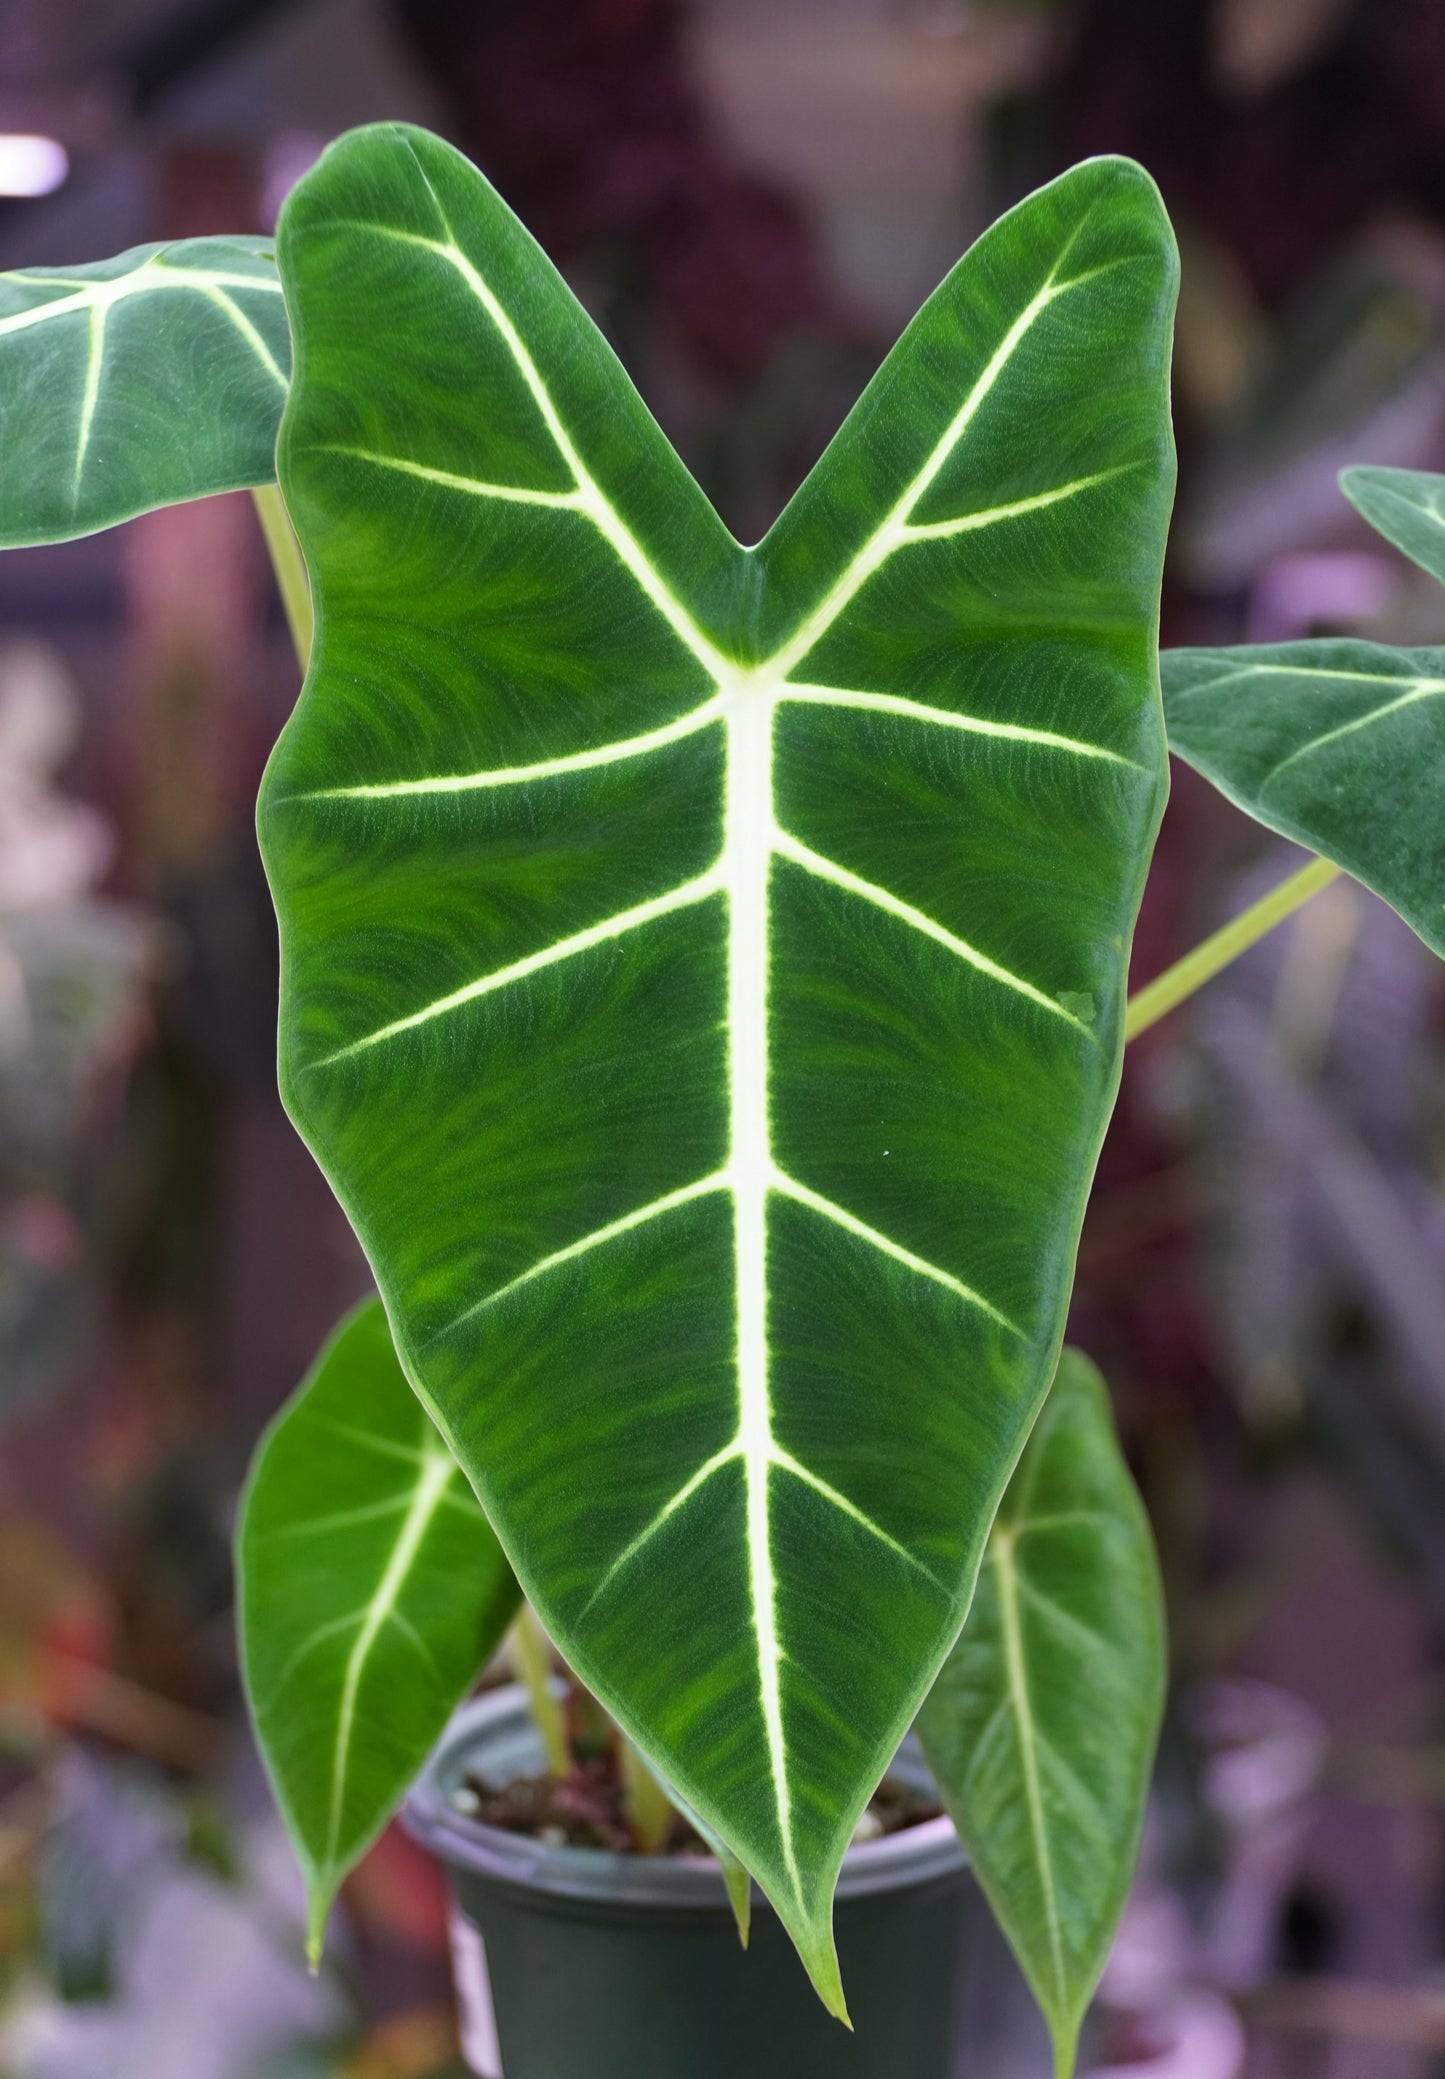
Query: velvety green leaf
703,967
139,381
1337,744
1407,506
370,1592
1041,1728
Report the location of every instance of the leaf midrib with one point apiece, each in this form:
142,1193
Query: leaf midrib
1001,1553
435,1474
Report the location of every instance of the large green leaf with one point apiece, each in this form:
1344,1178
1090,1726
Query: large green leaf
370,1592
135,382
1337,744
703,966
1407,506
1041,1728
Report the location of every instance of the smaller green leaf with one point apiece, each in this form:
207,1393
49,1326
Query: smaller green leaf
1407,506
740,1889
1041,1727
739,1883
140,381
735,1877
371,1589
1337,744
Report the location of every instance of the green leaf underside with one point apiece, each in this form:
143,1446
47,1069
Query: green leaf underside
702,966
1041,1728
139,381
371,1589
1407,506
1335,743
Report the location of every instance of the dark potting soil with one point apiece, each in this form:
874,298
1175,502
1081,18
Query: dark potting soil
585,1809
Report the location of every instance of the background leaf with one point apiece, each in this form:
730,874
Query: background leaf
1041,1728
703,967
370,1592
139,381
1407,506
1337,744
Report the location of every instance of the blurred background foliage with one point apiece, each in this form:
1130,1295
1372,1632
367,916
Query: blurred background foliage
751,196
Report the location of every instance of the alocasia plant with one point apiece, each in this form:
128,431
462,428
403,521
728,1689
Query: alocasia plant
703,976
703,972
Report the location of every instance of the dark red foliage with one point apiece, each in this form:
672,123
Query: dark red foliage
1283,177
581,113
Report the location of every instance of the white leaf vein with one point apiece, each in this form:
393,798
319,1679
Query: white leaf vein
215,293
709,714
368,1440
95,356
434,1476
617,926
1064,1519
786,1463
1425,689
991,516
1016,1674
893,534
948,718
780,1460
640,1216
337,1519
449,480
1062,1620
96,299
828,1209
1088,1811
791,848
1211,683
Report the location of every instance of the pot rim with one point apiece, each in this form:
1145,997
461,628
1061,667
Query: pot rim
915,1856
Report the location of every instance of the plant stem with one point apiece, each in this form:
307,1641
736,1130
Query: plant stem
1180,981
289,566
646,1803
532,1659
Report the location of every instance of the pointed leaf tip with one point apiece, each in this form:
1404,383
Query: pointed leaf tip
821,1958
740,1895
317,1915
321,1889
1406,506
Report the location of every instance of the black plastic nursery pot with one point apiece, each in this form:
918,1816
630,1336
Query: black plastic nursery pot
575,1964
